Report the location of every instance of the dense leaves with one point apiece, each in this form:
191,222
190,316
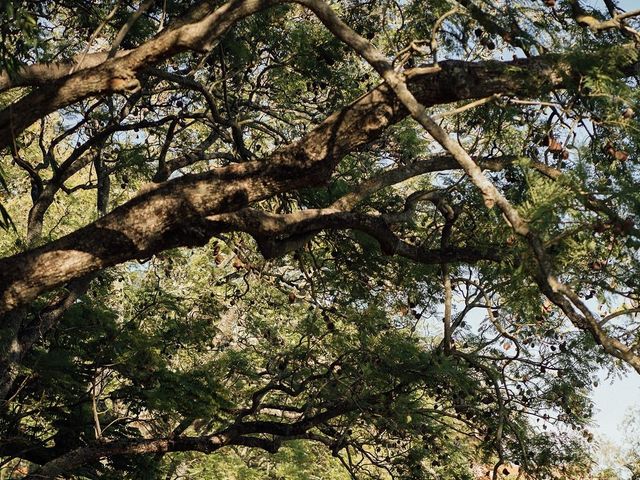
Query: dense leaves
409,332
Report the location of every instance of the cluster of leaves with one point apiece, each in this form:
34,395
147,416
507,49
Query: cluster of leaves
196,342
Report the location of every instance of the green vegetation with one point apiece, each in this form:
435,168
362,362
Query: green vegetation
230,248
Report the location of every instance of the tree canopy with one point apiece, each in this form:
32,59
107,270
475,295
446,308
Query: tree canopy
309,239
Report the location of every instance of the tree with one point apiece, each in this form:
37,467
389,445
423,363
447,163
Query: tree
404,232
630,457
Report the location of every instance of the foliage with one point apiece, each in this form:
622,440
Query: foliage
336,358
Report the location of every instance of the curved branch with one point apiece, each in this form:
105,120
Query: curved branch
172,213
268,227
239,434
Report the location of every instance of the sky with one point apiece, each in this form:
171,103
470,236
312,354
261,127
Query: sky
613,400
629,5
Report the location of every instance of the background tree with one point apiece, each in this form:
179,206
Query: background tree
376,239
630,456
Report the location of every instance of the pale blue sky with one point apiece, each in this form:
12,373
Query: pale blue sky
613,401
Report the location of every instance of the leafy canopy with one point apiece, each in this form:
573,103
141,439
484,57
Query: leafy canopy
377,322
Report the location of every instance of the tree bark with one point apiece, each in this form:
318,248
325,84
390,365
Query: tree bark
172,214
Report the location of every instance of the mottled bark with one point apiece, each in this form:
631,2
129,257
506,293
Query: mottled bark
172,214
165,217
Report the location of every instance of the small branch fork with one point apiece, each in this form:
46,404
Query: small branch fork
617,20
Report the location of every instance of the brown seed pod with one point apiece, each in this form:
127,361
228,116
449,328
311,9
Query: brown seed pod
599,227
238,264
554,146
619,155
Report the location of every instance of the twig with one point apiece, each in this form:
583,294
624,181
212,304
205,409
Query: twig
466,107
94,35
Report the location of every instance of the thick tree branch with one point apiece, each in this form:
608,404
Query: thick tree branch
268,227
280,234
199,31
171,214
40,74
241,434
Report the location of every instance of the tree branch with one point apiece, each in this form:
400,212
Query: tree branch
267,227
199,30
560,294
238,434
171,214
